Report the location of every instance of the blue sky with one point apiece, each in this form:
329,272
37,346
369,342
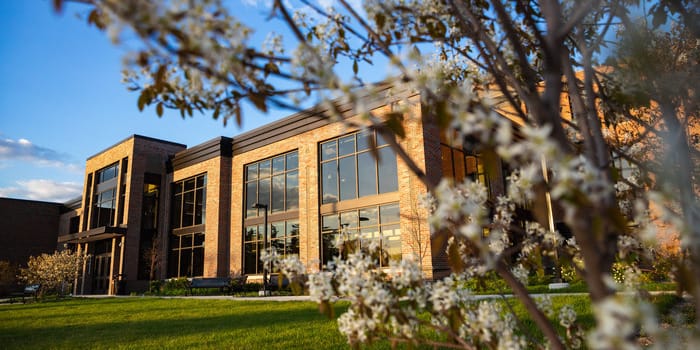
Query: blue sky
61,100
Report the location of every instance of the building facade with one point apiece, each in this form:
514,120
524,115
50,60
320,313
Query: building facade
153,209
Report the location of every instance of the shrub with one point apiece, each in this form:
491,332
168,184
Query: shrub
174,286
7,277
55,272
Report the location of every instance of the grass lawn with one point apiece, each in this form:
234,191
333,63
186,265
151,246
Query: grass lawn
156,323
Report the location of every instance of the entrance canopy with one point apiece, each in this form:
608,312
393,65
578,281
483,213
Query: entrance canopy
95,234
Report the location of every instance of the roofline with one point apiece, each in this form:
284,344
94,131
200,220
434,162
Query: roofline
314,117
136,136
217,147
31,200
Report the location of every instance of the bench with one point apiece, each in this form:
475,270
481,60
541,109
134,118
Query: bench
29,290
223,283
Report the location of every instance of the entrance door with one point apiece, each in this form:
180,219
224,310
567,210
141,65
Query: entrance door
100,273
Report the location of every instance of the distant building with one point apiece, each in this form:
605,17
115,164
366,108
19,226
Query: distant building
27,228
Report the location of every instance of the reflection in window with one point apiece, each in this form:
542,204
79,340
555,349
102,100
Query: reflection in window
189,202
273,182
281,235
349,171
186,257
359,227
459,164
104,200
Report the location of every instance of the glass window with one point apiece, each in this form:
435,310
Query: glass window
278,165
275,185
329,150
348,178
349,170
388,174
461,164
292,161
189,202
359,226
104,197
364,140
186,255
329,182
281,235
278,192
366,174
292,190
346,145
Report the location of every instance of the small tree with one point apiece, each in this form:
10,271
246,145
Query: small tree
7,277
53,271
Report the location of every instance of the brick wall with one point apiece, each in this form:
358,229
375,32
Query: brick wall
415,231
216,221
27,228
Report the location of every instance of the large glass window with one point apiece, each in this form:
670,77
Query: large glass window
459,164
349,170
186,257
273,182
104,200
282,235
189,202
359,227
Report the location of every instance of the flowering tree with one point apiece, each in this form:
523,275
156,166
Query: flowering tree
472,62
54,271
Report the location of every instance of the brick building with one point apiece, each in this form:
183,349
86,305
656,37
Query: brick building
153,209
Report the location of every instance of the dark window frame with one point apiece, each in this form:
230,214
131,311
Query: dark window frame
380,226
253,177
177,220
337,152
253,236
192,254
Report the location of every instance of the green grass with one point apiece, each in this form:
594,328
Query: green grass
155,323
158,323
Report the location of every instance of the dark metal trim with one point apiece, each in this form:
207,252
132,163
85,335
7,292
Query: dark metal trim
217,147
358,203
312,119
95,234
258,220
188,229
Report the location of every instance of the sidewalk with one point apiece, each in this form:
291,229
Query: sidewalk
210,297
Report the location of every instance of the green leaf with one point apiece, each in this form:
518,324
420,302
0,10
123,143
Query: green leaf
159,109
380,20
58,5
259,101
394,122
143,100
94,19
354,67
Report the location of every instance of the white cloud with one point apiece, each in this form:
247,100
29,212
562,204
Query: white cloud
25,150
43,190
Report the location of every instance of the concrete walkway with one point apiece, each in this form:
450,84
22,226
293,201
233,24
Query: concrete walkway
205,297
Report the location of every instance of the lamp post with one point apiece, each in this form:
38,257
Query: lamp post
263,206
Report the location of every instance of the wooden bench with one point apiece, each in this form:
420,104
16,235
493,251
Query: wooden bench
29,290
223,283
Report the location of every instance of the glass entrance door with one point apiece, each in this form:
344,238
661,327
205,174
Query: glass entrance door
100,273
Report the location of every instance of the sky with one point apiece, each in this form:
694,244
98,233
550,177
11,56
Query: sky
62,100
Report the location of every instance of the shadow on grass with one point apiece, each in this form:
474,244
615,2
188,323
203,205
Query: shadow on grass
169,324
